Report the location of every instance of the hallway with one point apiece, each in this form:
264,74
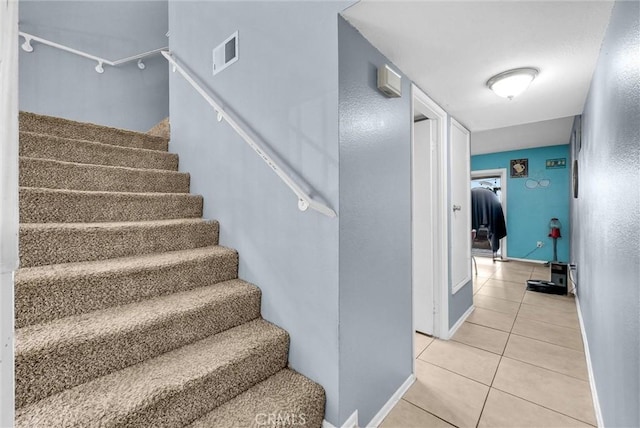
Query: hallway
518,360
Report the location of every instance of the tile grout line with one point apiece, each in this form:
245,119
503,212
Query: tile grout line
545,341
521,398
499,362
426,411
456,373
544,407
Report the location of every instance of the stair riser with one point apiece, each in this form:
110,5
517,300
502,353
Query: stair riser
285,394
47,246
62,149
41,206
84,131
44,299
64,365
187,405
62,175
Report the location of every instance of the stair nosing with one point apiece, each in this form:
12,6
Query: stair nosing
179,376
97,142
120,313
106,128
113,167
116,224
95,192
134,262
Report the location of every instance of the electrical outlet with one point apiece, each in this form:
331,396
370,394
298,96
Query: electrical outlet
540,244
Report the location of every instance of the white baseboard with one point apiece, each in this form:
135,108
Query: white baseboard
540,262
384,411
592,380
458,323
352,422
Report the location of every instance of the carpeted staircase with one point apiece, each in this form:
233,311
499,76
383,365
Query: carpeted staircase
128,312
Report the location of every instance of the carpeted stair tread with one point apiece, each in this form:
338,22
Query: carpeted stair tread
38,205
64,353
55,243
66,128
45,293
286,399
81,151
52,174
172,389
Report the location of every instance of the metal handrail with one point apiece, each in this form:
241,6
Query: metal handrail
28,38
304,200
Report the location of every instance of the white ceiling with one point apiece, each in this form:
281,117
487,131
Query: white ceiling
451,48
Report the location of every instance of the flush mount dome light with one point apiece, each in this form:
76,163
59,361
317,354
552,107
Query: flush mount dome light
512,83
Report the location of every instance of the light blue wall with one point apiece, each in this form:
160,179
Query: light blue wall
285,84
529,210
58,83
606,216
375,231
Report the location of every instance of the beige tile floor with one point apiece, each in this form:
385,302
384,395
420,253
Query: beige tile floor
518,361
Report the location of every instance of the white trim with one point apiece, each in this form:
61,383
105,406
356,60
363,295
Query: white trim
502,172
8,203
515,259
460,321
423,187
592,380
465,206
389,405
441,248
351,422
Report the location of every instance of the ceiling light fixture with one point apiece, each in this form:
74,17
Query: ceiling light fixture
512,83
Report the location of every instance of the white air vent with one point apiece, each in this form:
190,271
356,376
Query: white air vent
389,82
225,53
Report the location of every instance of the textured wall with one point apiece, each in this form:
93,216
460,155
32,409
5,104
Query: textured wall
285,84
375,231
58,83
606,241
529,210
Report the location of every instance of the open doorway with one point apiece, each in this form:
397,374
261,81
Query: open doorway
429,217
496,181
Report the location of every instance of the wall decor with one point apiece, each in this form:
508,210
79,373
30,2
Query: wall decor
532,183
556,163
519,168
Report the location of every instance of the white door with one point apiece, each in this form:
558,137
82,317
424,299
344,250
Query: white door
460,214
422,194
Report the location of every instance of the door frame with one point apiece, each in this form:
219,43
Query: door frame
466,206
9,188
422,103
502,173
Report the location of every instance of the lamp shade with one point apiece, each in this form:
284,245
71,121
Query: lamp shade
512,83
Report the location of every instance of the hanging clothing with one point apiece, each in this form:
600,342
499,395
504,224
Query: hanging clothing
486,210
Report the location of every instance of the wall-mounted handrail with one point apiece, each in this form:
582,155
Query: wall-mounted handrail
28,38
304,200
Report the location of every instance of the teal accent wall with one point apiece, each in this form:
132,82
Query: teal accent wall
529,210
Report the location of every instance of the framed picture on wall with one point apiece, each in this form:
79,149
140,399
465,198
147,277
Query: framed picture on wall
519,168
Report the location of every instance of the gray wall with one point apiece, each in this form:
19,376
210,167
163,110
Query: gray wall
285,84
58,83
606,219
375,231
460,302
